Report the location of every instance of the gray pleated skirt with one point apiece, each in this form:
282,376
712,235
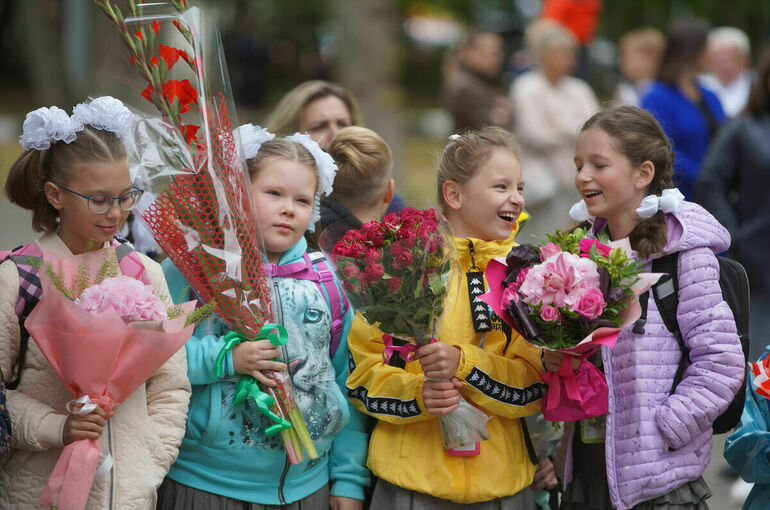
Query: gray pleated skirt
175,496
390,497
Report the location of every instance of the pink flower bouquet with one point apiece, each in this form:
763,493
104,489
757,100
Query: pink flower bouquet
98,350
394,273
573,294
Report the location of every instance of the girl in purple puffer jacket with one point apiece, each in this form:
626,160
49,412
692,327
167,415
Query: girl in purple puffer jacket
650,450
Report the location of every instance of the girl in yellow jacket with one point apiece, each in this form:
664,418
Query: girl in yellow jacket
478,357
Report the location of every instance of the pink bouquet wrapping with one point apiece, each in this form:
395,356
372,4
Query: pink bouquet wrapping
572,294
98,355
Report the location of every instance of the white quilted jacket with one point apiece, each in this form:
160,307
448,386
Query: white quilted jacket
143,434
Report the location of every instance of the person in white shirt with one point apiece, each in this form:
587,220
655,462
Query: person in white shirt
549,108
730,78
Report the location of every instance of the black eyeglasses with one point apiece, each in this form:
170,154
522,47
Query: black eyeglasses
100,203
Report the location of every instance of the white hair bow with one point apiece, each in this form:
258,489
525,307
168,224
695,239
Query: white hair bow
579,212
252,137
669,201
45,126
106,113
327,171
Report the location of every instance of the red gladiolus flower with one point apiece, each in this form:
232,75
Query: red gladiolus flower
170,55
156,26
177,25
147,93
182,91
189,131
138,33
154,61
131,60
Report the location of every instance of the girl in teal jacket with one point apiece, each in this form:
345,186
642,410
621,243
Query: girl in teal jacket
225,458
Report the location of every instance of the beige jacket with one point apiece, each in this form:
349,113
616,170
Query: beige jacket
143,434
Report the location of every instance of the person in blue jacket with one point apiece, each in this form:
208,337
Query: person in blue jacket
688,113
747,449
226,460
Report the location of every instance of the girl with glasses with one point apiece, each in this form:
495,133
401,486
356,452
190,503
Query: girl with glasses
74,177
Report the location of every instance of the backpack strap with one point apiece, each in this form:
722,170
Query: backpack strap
313,267
666,293
27,260
338,302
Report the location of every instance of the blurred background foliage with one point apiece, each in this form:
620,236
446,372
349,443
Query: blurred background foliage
390,53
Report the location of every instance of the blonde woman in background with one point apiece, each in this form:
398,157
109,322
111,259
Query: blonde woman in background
363,188
318,108
549,108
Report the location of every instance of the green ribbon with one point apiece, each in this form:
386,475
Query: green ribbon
247,386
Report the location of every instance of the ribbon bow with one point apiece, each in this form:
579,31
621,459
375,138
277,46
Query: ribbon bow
669,202
247,386
579,212
406,351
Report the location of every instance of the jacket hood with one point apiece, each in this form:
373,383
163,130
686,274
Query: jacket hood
694,227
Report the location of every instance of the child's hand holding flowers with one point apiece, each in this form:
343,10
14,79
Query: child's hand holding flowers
251,358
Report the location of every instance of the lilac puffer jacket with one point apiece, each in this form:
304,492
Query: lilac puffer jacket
656,442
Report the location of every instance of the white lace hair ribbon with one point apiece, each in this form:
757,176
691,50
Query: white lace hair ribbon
45,126
106,113
669,201
579,212
327,170
252,137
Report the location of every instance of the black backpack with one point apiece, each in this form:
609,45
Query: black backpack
735,291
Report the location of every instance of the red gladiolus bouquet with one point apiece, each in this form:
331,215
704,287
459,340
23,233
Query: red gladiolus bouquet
760,370
190,163
574,294
395,274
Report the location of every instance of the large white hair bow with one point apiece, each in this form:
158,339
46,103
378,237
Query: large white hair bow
252,137
669,201
327,170
45,126
106,113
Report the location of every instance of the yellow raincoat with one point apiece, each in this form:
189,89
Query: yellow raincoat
500,374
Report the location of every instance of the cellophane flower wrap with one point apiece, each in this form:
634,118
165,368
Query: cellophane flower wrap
395,274
760,372
102,352
572,293
197,203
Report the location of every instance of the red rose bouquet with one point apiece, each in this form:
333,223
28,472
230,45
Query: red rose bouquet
395,274
572,293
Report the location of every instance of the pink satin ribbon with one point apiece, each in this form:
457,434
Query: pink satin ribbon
406,351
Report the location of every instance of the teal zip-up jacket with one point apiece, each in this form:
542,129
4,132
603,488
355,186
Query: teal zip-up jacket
225,451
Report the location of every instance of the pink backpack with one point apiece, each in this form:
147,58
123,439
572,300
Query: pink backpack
313,267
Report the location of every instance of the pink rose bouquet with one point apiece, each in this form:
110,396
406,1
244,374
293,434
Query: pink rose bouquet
572,293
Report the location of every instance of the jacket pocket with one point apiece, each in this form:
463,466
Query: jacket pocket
205,413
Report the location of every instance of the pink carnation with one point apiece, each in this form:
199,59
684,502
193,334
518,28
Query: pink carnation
374,272
133,300
393,283
585,245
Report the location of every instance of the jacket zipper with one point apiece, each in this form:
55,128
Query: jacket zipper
279,320
112,471
283,479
